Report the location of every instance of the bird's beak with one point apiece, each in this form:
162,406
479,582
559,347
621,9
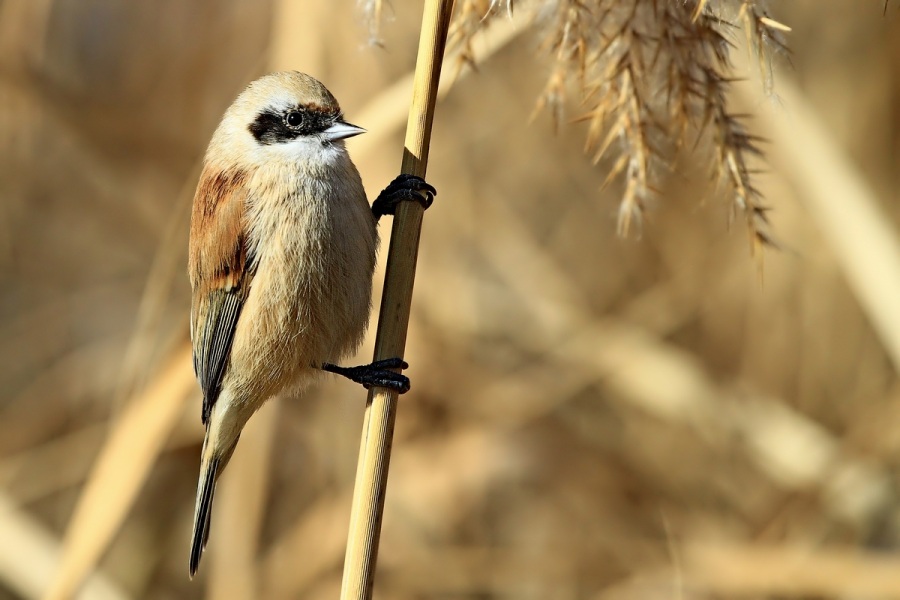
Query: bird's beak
341,130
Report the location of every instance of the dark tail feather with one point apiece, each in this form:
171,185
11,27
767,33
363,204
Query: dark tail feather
205,492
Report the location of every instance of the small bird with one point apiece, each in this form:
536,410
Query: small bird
281,257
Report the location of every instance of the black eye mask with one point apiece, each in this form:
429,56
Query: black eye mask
271,127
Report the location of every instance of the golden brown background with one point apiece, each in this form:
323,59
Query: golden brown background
591,416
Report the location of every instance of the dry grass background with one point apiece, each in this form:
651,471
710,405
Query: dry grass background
591,416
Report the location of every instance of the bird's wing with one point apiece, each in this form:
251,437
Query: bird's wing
221,268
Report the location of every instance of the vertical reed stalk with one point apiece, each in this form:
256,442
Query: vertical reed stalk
390,341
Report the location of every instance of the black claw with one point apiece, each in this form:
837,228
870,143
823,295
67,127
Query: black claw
389,363
403,188
375,374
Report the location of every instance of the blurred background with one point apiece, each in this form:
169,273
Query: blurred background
661,415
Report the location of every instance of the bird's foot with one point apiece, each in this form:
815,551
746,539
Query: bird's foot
375,374
405,187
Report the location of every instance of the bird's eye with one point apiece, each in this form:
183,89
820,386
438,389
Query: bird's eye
294,119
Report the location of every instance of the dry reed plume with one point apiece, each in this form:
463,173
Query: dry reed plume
649,77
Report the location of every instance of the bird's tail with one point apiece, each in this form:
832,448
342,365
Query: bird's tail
206,488
212,463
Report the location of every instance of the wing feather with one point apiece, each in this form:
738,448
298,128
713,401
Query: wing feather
221,269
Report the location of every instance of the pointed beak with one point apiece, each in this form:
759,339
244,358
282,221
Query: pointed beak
340,130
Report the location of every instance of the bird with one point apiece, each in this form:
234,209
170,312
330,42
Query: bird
280,259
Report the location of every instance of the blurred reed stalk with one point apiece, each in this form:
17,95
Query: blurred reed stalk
393,320
119,472
844,206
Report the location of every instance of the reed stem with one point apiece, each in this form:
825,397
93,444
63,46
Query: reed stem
390,341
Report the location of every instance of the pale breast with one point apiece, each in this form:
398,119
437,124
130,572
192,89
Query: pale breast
311,296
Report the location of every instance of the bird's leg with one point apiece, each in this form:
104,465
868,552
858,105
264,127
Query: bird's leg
375,374
405,187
